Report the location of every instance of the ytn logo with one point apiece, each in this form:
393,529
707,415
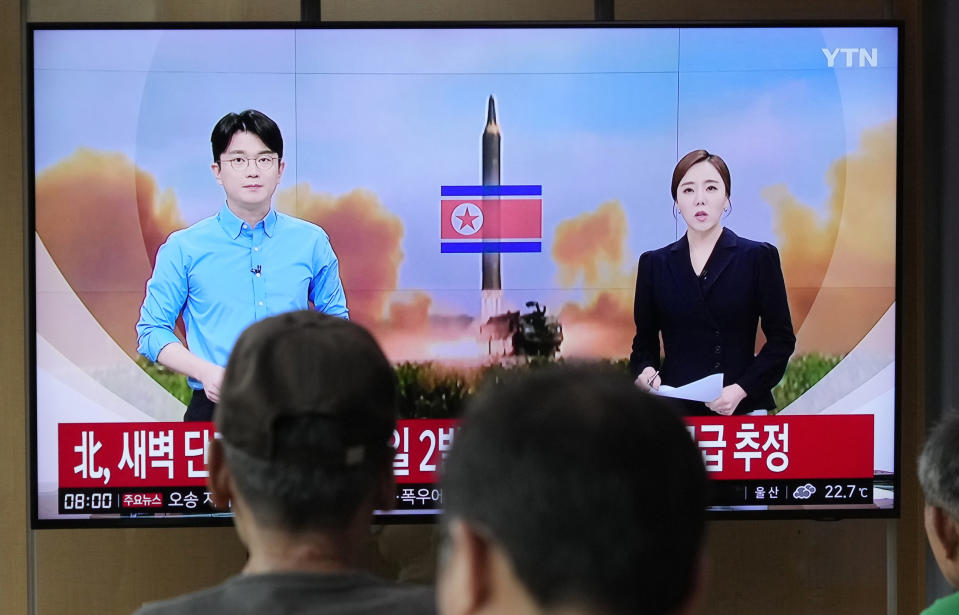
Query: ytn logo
866,56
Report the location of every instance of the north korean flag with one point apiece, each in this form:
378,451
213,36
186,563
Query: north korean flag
491,219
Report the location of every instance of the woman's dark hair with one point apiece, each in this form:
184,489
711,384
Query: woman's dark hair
251,121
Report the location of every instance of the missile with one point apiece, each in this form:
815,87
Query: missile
491,177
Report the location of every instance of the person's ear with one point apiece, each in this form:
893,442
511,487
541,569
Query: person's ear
465,579
947,531
215,167
219,480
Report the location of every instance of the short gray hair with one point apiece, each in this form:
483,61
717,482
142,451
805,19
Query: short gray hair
939,464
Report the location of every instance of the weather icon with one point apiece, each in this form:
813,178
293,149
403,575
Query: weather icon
804,492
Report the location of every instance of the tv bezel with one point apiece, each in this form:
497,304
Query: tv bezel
226,519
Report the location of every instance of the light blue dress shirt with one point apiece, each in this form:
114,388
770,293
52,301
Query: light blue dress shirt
223,276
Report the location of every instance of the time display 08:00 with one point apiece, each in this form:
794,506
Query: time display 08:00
84,502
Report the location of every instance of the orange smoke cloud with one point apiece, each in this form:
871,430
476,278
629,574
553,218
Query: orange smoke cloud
591,244
590,248
158,217
840,272
805,243
411,316
366,238
106,264
607,306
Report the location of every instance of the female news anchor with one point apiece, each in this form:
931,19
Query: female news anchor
705,294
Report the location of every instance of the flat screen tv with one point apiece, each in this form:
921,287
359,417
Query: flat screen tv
488,190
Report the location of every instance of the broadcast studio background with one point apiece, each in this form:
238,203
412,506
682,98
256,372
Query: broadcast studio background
861,566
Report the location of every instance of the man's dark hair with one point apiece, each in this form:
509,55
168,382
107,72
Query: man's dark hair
594,489
307,409
306,494
939,464
251,121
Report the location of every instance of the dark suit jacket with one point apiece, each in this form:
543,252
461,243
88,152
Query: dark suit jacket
709,323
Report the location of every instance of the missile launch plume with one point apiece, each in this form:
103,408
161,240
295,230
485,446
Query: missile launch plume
590,252
590,246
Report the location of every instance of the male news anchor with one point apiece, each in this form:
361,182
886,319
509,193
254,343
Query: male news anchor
243,264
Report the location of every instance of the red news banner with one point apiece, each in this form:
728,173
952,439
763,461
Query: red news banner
159,467
789,447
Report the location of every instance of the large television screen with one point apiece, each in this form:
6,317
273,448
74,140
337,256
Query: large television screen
488,191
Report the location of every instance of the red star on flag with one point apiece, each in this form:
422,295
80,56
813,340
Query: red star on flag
467,219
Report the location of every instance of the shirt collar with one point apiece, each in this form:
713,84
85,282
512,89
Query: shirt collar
230,223
269,222
727,239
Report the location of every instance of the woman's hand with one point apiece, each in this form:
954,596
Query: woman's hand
727,401
648,379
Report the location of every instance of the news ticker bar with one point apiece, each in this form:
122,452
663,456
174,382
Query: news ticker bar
196,500
429,496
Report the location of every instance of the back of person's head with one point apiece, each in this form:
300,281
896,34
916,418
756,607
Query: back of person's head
594,491
306,414
251,121
939,465
939,478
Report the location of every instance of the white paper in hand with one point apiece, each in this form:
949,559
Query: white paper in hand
704,390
